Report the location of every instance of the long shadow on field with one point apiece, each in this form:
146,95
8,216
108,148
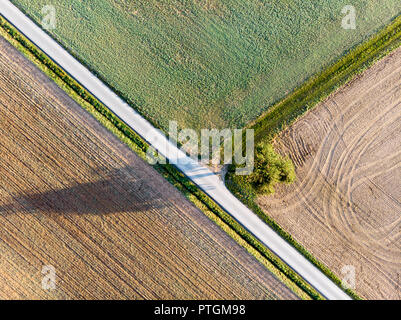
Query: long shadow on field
119,191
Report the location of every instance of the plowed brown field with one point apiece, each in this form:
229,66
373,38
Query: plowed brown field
345,206
74,197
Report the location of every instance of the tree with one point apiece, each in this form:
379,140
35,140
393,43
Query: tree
269,169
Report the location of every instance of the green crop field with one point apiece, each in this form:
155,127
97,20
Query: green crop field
208,63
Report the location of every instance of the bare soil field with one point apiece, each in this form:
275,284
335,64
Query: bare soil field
74,197
345,206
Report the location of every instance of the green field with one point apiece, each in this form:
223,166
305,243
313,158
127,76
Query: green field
208,63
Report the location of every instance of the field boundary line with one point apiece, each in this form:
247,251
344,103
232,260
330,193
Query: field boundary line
321,85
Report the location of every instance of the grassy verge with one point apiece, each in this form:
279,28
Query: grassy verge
137,144
319,87
315,90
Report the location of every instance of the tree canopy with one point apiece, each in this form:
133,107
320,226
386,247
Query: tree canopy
270,168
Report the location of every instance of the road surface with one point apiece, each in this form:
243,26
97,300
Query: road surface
200,175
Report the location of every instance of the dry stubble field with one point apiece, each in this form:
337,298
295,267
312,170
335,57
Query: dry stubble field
73,196
345,206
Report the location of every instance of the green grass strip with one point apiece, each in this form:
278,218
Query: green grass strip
320,86
170,172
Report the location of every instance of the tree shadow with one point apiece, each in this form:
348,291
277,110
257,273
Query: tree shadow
119,191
